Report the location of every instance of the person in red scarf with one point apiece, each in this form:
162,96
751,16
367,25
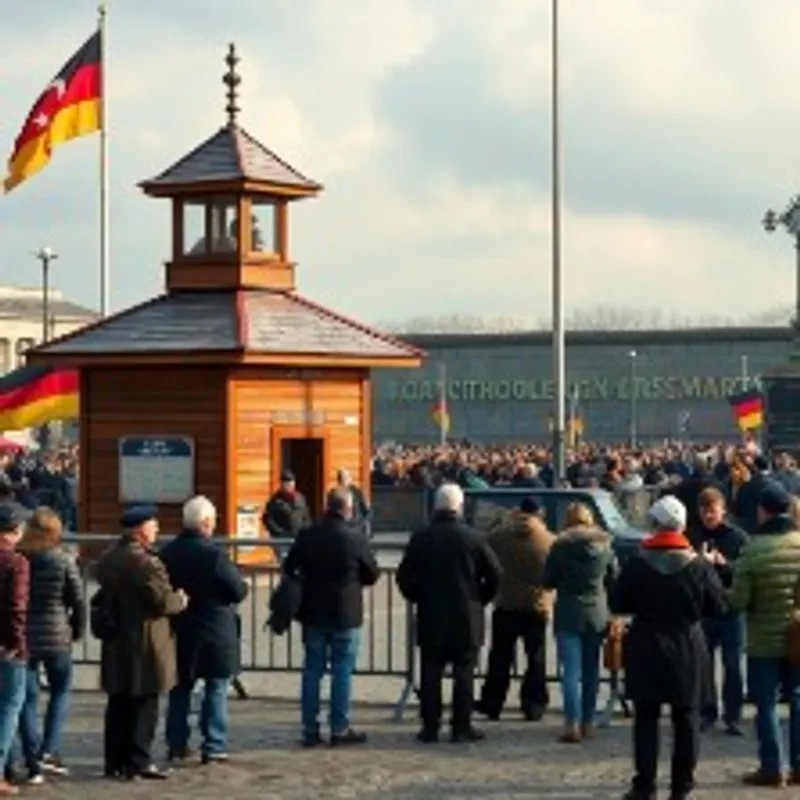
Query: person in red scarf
668,589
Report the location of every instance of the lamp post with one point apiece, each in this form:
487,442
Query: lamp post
632,355
789,219
46,256
559,360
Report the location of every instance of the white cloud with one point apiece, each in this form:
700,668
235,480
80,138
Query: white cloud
698,92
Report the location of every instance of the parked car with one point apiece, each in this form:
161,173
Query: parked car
484,508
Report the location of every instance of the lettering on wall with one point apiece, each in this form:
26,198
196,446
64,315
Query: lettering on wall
672,387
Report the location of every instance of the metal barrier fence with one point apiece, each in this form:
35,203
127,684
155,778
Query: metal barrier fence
387,639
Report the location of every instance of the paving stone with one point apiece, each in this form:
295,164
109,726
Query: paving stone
517,760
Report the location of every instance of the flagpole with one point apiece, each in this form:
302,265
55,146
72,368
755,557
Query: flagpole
105,257
444,412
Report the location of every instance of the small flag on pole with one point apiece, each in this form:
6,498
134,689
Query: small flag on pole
441,416
69,106
748,408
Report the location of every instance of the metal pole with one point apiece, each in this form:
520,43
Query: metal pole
444,411
559,365
632,356
745,374
105,256
45,297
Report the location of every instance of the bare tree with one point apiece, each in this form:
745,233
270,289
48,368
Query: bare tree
597,318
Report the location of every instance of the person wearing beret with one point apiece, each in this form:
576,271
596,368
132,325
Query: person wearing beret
668,590
14,588
286,512
138,649
765,580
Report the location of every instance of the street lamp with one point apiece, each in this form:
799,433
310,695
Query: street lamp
632,359
46,255
789,219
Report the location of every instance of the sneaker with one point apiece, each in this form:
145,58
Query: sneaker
534,713
348,737
215,758
734,729
52,763
37,779
426,736
312,740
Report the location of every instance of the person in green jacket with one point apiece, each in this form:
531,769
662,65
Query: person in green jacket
764,581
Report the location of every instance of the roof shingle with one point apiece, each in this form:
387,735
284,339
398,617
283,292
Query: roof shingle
258,321
232,154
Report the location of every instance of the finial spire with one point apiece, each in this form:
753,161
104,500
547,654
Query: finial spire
232,80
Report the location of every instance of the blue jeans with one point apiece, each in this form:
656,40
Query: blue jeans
340,649
58,670
12,697
764,677
727,635
579,654
213,716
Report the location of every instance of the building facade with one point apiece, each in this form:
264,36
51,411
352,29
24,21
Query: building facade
499,387
22,321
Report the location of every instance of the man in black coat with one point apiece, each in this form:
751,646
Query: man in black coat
207,633
335,563
450,573
286,512
668,590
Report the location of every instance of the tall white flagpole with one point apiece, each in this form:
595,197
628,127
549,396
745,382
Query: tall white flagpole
105,257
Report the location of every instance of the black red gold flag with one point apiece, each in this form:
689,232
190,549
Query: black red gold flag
70,106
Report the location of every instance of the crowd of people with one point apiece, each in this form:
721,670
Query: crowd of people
719,570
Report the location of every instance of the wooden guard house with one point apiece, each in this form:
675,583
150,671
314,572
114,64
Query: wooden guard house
230,376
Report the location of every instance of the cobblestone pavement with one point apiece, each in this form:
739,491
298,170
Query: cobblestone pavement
517,760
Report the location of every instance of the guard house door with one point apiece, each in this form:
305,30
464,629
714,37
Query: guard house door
305,457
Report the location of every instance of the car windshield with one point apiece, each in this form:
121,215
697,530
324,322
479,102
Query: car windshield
613,517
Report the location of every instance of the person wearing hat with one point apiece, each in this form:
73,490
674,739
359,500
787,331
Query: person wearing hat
138,653
286,512
521,611
668,590
765,580
14,588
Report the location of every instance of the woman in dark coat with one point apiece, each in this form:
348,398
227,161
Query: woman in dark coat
668,590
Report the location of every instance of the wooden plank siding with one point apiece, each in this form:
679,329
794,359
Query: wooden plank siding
276,403
180,401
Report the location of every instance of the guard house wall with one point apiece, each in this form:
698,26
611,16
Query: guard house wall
141,401
265,404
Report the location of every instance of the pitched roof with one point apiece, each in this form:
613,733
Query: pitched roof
257,321
280,322
31,308
232,154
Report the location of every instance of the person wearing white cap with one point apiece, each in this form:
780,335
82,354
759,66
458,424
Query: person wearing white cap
668,590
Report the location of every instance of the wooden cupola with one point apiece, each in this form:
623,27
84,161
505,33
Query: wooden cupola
230,208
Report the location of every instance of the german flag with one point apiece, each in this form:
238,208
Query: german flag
35,395
748,408
441,416
70,106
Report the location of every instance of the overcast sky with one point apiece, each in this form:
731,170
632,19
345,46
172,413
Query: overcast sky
427,122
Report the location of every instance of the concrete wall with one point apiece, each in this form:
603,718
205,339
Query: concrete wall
499,387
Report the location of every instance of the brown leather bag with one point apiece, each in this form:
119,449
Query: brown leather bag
793,633
614,646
